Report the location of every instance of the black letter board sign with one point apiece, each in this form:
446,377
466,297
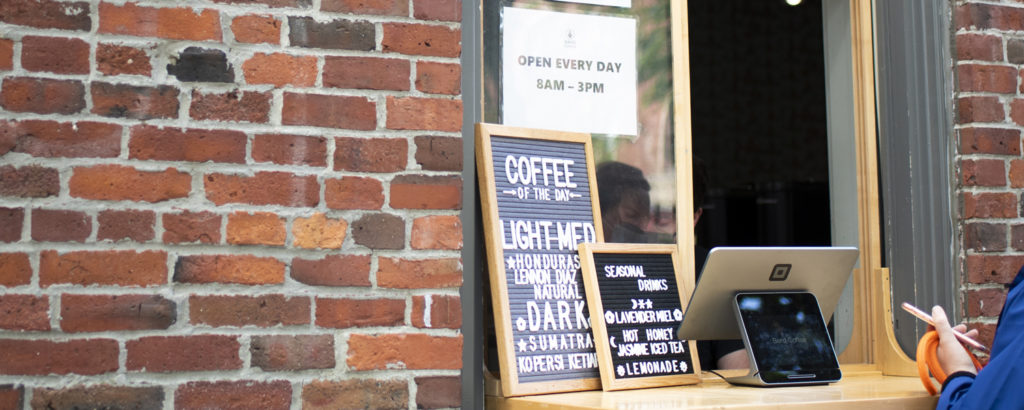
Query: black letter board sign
637,304
539,201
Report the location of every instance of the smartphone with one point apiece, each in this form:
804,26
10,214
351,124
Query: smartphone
928,319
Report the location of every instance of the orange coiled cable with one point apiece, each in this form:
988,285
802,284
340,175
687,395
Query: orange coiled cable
927,360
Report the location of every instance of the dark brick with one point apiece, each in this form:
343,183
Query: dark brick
1015,51
356,394
439,392
131,224
370,154
98,313
379,231
333,270
135,102
336,34
985,237
51,225
196,64
290,353
1017,237
439,153
11,221
46,14
30,181
99,397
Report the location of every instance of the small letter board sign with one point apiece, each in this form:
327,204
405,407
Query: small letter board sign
539,202
637,301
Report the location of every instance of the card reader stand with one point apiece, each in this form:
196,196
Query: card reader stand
786,340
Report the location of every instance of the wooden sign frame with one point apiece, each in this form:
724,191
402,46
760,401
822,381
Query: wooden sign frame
494,233
595,301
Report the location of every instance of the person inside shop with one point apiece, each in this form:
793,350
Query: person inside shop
997,385
625,201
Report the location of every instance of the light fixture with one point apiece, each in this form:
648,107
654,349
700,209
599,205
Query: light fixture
794,2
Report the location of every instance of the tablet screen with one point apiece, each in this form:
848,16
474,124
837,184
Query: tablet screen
788,338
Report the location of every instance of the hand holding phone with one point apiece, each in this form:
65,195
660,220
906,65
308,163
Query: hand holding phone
920,314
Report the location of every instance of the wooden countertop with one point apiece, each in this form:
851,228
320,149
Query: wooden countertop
857,390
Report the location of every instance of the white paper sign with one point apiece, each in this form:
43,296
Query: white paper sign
569,72
616,3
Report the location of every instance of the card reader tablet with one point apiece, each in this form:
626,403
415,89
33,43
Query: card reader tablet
786,338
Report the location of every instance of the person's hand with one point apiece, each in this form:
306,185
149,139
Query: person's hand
952,356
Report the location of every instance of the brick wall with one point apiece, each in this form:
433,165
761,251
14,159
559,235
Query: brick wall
989,106
230,204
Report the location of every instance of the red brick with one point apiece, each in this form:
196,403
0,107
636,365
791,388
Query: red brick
234,395
11,396
241,269
332,34
986,16
191,227
30,181
355,394
286,149
438,78
437,312
421,39
1017,237
370,154
256,29
426,192
264,188
159,354
46,14
135,102
332,270
1017,173
245,106
259,228
983,172
987,78
24,312
6,54
186,144
1017,111
120,183
985,237
115,59
100,313
413,113
974,46
44,357
379,231
11,222
999,141
438,392
404,351
133,225
437,232
331,111
993,268
419,274
117,268
354,193
55,225
63,139
304,4
345,313
980,109
280,70
239,311
98,397
42,96
990,205
367,73
985,302
59,55
372,7
182,23
319,232
291,353
15,269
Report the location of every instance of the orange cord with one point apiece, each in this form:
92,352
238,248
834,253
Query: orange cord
927,360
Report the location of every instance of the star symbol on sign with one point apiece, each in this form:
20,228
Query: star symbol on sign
650,305
511,262
522,345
